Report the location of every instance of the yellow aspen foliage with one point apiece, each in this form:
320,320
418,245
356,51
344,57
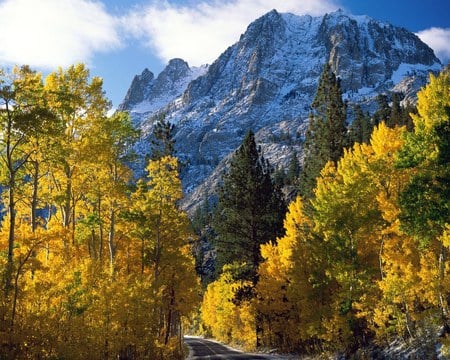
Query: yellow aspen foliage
347,217
273,278
244,332
429,276
391,312
77,102
276,309
394,312
217,308
432,102
385,142
354,208
368,260
226,316
272,303
424,205
446,236
77,280
163,234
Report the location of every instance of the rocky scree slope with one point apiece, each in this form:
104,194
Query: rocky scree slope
266,82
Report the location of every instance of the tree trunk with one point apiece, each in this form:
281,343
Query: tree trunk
11,237
111,245
11,205
442,296
65,209
100,230
16,286
158,246
380,258
169,324
34,196
73,217
92,247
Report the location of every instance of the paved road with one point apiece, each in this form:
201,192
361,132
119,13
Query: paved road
205,349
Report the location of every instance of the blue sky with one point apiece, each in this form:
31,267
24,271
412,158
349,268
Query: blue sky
119,38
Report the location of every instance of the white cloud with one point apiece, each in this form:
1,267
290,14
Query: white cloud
439,40
51,33
200,33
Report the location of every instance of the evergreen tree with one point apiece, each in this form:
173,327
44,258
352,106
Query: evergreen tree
293,171
396,116
361,128
383,112
250,209
326,134
162,143
280,177
408,111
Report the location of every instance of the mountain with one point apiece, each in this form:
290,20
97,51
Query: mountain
267,81
148,95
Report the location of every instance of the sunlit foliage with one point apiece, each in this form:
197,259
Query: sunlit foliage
90,268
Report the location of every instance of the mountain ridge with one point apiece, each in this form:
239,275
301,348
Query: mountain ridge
266,82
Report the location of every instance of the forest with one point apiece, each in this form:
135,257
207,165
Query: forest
97,264
93,265
360,258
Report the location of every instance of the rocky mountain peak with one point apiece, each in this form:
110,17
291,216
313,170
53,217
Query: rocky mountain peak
153,94
264,29
365,52
267,80
168,80
250,56
138,90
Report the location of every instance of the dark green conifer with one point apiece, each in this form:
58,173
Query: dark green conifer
250,209
383,113
361,128
162,143
326,133
409,109
293,171
396,116
279,177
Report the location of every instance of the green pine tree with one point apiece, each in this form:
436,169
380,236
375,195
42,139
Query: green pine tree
396,116
162,143
293,171
408,110
250,209
383,113
361,128
326,134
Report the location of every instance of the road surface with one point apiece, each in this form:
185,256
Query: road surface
206,349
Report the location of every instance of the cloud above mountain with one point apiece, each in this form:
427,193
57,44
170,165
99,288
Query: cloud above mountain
51,33
200,32
438,39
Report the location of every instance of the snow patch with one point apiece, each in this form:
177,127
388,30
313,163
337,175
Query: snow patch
405,69
153,105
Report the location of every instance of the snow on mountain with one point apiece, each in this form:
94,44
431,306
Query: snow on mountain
266,82
147,95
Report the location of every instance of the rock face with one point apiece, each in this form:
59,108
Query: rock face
138,90
267,81
148,95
